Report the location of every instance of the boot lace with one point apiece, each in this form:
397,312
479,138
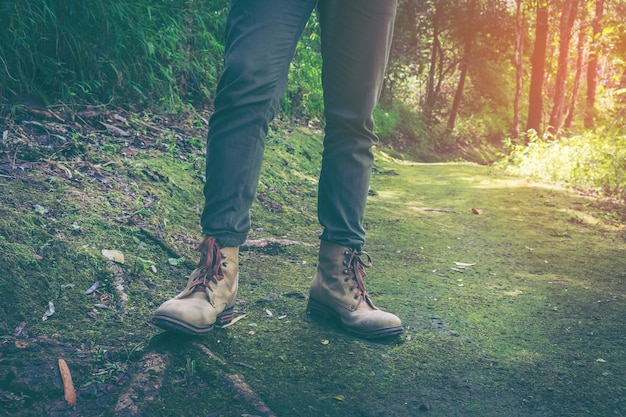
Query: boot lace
210,266
356,262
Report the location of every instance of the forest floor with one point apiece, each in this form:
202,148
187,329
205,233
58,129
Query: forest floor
512,293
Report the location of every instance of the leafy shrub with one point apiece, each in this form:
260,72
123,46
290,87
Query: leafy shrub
593,161
403,129
304,97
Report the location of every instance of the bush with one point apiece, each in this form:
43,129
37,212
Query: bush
402,128
592,161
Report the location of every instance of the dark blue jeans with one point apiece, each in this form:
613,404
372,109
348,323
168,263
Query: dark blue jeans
261,37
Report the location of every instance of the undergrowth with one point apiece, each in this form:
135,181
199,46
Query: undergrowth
593,161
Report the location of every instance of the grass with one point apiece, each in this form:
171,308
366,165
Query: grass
516,311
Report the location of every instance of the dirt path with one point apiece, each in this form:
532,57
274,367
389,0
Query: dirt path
513,295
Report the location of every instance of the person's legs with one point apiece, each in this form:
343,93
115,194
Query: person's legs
261,38
356,37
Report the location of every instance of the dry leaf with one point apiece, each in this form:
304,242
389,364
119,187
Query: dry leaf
68,385
113,255
339,397
93,287
233,321
48,312
19,329
115,130
477,211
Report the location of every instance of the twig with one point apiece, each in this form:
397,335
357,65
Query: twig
442,210
262,243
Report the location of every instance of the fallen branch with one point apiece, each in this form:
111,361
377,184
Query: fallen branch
145,385
272,242
238,384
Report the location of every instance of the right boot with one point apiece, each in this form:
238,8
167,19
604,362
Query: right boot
338,292
209,297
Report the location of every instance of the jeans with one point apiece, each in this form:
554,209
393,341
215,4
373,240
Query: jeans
261,37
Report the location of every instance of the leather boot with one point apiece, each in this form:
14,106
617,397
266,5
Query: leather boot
338,291
209,296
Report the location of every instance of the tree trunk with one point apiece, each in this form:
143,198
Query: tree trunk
467,51
431,96
538,62
519,69
568,16
592,66
580,55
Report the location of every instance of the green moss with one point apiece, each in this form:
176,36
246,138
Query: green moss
533,327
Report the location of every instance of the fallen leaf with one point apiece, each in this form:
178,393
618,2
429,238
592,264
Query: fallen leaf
48,312
463,264
115,130
477,211
175,261
339,397
39,209
269,314
129,151
93,287
233,321
68,385
113,255
21,344
325,342
18,330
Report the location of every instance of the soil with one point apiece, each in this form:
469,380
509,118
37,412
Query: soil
512,293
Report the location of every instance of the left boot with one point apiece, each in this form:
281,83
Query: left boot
338,291
209,297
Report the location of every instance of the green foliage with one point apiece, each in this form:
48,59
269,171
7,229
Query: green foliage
150,51
304,96
593,161
402,128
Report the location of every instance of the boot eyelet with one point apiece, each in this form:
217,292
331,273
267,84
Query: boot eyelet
224,264
345,272
351,289
356,297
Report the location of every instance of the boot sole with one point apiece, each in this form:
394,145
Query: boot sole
322,312
176,325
